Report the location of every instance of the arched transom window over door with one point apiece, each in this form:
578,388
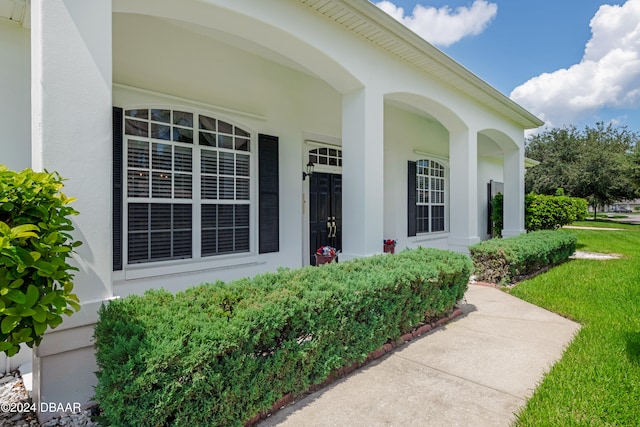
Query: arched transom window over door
326,156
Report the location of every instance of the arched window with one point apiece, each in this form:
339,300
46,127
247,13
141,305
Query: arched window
187,185
430,196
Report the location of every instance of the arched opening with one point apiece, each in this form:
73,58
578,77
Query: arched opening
500,170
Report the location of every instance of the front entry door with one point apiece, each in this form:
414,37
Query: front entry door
325,212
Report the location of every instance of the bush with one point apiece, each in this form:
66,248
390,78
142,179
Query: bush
218,354
497,215
505,261
542,212
35,279
550,212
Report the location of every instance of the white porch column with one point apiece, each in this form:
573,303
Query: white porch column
463,177
362,173
513,211
71,80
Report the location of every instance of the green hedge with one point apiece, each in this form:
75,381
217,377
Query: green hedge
549,212
217,354
542,212
505,261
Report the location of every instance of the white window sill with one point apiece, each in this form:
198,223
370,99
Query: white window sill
425,237
186,266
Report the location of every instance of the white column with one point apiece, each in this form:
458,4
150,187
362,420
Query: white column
362,173
463,184
71,80
513,211
15,90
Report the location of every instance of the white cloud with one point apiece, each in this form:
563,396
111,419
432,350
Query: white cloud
608,76
444,26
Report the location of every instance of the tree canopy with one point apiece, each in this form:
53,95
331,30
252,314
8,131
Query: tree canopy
600,164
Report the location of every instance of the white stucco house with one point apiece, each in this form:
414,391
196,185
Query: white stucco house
184,128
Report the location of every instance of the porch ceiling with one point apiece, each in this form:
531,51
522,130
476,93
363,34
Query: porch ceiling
488,148
412,109
13,10
365,19
240,43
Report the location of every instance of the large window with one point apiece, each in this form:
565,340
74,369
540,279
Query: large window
187,185
430,197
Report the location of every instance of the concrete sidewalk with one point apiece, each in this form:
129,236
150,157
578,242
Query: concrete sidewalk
477,370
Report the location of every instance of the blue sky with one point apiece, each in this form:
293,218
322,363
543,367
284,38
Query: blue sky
570,62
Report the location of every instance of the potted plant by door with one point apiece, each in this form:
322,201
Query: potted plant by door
389,246
325,255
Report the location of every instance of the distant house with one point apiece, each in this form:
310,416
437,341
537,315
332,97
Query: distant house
186,129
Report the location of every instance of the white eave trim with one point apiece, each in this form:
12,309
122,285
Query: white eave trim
367,20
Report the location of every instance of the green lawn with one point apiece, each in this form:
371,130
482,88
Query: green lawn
597,381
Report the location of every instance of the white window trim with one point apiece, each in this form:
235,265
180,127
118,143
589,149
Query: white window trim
433,235
196,262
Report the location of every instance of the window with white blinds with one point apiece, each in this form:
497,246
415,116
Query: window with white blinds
176,161
430,198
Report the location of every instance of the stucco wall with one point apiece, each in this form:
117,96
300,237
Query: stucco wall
405,133
222,56
15,96
238,86
291,36
15,122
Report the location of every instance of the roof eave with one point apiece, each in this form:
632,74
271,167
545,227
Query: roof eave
444,68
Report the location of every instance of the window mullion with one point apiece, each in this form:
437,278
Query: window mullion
196,227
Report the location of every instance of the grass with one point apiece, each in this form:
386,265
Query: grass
597,381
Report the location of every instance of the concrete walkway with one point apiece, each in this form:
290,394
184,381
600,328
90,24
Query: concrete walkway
477,370
582,227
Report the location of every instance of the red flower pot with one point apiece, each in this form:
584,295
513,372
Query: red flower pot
324,259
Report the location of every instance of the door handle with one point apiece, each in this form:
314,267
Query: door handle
335,227
329,227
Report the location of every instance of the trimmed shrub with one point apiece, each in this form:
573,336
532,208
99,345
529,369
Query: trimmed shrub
505,261
35,278
550,212
218,354
542,212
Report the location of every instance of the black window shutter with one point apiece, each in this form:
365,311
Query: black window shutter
268,195
117,188
411,199
489,210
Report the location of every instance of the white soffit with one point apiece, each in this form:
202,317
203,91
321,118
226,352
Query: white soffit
367,20
13,10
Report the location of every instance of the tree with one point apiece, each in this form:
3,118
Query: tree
600,164
635,168
558,151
